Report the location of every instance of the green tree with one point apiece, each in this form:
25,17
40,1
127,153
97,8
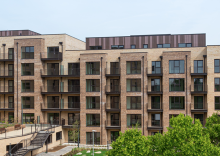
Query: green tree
212,127
184,138
74,133
130,143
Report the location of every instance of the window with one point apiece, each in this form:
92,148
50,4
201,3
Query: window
217,102
156,67
92,68
27,85
11,102
27,102
74,86
216,64
114,68
198,84
155,85
93,85
93,102
163,46
176,84
10,85
133,85
89,138
53,102
53,86
28,117
133,46
73,101
155,120
49,139
217,84
185,45
53,69
155,102
133,102
73,117
27,52
117,47
133,119
198,66
58,135
93,120
198,102
11,117
10,53
114,103
10,69
199,116
177,102
73,69
133,67
176,67
27,69
145,46
95,47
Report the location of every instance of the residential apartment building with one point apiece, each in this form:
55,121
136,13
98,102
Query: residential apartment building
108,83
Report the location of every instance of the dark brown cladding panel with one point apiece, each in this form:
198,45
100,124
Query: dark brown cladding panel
18,33
197,40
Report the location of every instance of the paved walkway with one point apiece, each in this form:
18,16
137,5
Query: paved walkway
57,153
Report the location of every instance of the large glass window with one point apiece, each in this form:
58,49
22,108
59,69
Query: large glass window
92,68
11,102
133,85
163,46
156,67
27,52
53,69
177,102
176,66
27,102
155,85
133,119
53,52
10,53
117,47
198,102
114,68
145,46
217,84
27,85
73,117
216,65
217,102
58,135
133,67
89,138
155,120
155,102
53,102
133,46
93,102
198,84
133,102
74,86
176,84
73,69
93,85
95,47
27,69
185,45
93,120
198,66
28,117
73,101
10,69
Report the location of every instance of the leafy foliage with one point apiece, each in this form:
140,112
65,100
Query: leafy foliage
74,133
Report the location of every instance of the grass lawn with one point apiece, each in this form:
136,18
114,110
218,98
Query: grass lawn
89,154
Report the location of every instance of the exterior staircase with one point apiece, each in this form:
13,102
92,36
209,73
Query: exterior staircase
35,142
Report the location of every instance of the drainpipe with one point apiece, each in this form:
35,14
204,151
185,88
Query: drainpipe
186,87
143,92
101,100
4,75
17,83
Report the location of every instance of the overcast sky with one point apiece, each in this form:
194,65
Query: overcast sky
94,18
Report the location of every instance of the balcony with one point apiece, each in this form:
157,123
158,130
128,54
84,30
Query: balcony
57,89
112,124
6,57
113,107
112,89
155,107
198,107
51,56
198,71
198,89
112,72
57,106
156,89
63,72
6,106
155,125
6,89
6,74
157,72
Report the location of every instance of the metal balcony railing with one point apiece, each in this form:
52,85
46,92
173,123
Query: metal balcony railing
60,72
155,71
112,71
7,73
9,105
6,56
61,105
115,105
198,70
155,88
112,88
50,56
113,123
61,89
6,89
73,121
199,88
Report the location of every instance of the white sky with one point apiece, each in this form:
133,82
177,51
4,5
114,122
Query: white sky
99,18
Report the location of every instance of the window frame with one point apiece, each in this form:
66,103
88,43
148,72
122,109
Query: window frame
91,103
177,85
145,45
203,87
217,103
163,45
154,86
217,66
25,118
27,81
95,47
49,140
25,53
135,103
132,46
136,85
136,119
154,67
93,120
197,67
216,85
177,66
91,86
24,70
153,119
186,45
153,99
59,136
119,46
92,69
170,98
22,100
133,67
198,103
96,142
